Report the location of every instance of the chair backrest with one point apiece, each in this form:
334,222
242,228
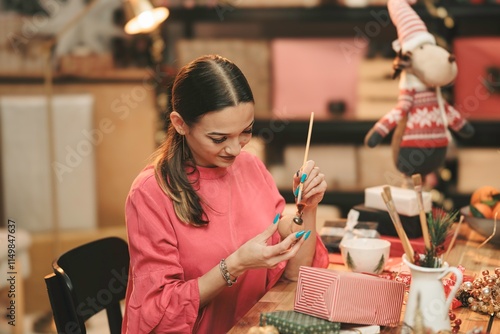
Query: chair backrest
86,280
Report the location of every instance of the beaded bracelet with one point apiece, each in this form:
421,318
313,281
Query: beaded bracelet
225,273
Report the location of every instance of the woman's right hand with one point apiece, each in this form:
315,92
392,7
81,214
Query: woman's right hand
256,253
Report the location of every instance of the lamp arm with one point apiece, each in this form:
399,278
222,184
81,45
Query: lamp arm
48,49
77,18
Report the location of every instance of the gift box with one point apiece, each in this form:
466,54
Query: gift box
405,200
349,297
411,224
476,88
306,74
291,322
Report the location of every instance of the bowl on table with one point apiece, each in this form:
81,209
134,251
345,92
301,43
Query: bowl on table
483,226
365,255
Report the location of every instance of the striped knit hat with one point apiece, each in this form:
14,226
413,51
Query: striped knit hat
412,31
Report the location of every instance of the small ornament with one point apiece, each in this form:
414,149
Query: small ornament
482,294
298,215
298,220
464,296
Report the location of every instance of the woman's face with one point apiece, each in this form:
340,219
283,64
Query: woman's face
217,139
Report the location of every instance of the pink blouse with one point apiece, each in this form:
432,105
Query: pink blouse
167,256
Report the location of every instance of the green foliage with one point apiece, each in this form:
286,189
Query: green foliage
430,259
475,212
380,265
350,262
439,223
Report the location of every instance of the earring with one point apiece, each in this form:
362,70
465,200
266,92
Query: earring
185,153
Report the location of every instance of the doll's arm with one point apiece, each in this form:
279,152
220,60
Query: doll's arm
387,123
373,138
457,123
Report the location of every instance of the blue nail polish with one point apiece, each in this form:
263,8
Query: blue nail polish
307,235
276,218
299,234
296,192
303,178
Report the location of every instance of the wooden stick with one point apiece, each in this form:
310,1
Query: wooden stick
417,184
308,143
387,196
492,234
452,242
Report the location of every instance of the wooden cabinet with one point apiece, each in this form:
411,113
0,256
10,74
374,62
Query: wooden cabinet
352,132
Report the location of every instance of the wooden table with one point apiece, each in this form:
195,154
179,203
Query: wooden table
465,253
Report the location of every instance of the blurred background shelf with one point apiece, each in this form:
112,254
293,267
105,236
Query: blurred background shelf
317,13
346,200
463,14
226,22
114,75
278,133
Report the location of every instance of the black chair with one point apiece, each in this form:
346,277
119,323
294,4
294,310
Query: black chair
86,280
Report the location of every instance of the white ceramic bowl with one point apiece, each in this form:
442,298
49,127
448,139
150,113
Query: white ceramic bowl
365,255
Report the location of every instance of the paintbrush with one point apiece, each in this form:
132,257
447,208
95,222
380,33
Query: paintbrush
454,238
391,208
300,206
417,184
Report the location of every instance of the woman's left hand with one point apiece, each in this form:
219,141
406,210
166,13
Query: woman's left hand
314,185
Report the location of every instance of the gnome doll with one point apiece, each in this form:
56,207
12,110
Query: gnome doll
421,118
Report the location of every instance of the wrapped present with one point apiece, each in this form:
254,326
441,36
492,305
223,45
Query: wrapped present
477,89
411,224
305,77
349,297
405,200
291,322
418,244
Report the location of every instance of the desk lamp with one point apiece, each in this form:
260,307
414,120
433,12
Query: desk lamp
143,18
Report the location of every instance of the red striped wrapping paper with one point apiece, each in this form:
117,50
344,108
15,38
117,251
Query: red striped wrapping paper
349,297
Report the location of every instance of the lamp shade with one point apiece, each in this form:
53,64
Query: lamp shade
142,17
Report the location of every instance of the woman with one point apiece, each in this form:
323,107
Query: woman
204,247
